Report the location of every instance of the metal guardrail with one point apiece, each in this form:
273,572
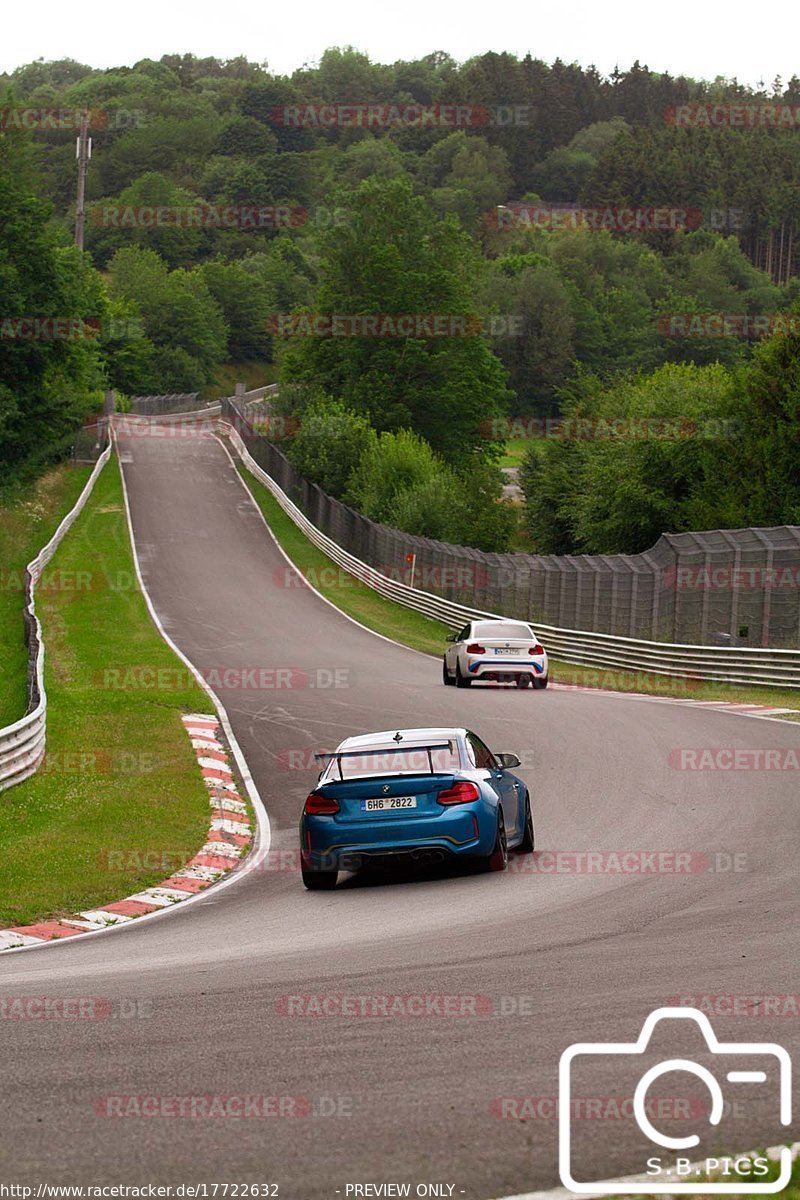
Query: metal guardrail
736,587
22,744
257,393
172,409
749,665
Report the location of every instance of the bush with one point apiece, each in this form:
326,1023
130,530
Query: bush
401,482
330,443
633,463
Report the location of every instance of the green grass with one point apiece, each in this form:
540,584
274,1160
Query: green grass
29,516
790,1192
119,802
412,629
517,448
252,374
674,685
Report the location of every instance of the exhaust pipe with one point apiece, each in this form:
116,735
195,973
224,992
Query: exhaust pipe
427,856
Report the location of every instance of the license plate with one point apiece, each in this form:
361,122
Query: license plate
511,652
388,803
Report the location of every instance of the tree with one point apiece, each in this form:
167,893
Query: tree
538,348
57,74
245,303
370,158
330,444
400,482
129,353
285,271
563,174
244,136
758,480
616,284
466,166
129,219
595,139
180,315
267,100
633,460
51,377
172,145
549,476
391,257
344,76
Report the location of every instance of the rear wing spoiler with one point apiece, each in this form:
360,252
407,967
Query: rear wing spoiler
328,756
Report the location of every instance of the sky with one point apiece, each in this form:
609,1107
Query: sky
739,38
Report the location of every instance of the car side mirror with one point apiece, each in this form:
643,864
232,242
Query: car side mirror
508,761
451,637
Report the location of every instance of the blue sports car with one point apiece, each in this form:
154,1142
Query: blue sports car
422,794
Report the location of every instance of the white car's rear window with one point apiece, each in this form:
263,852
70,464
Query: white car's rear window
503,629
392,761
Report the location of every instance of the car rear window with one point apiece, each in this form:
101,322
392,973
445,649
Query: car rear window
503,629
380,761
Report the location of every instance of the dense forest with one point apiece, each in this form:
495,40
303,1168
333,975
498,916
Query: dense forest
579,240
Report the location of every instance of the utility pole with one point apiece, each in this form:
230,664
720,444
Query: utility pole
83,152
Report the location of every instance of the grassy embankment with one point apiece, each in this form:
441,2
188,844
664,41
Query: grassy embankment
119,802
417,631
251,374
29,516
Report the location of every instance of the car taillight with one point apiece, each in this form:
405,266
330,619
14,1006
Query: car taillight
459,793
537,649
475,648
319,806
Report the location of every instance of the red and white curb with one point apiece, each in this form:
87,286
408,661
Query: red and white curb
228,835
744,710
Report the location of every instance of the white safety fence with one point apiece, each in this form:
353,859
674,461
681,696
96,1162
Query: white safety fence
750,665
22,744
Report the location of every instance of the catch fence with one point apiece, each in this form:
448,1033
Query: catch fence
727,588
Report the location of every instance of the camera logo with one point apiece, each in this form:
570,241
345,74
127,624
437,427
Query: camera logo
657,1178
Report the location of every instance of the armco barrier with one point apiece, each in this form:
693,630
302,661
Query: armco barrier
22,744
718,587
177,408
751,665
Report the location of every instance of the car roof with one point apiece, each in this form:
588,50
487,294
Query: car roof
410,737
500,621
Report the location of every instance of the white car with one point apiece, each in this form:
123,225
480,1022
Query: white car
501,651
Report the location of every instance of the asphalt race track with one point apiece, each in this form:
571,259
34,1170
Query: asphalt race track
564,957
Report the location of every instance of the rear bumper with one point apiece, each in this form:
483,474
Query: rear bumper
511,668
328,843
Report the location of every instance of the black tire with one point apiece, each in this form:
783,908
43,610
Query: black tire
528,843
523,681
447,678
320,881
498,859
541,682
460,680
